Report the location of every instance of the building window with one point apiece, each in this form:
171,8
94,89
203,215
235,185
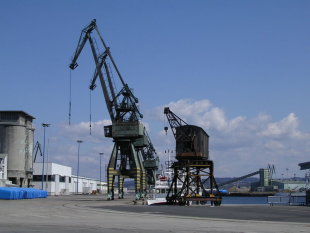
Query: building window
69,179
62,179
39,178
51,177
8,116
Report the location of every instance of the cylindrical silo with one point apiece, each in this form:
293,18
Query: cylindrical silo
16,140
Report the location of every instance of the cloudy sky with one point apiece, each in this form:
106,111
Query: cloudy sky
238,69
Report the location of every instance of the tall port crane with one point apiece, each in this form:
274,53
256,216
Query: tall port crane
193,170
133,154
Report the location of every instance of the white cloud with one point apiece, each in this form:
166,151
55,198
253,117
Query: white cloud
244,144
238,146
215,118
184,107
82,130
274,145
287,127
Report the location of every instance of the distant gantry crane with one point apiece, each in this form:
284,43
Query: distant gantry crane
193,171
133,154
36,149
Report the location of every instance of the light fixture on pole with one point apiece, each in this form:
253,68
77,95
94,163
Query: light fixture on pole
100,169
44,126
78,166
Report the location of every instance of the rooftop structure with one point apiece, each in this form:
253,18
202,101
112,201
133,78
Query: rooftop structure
304,166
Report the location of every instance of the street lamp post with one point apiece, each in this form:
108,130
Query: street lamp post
100,168
44,126
46,172
78,166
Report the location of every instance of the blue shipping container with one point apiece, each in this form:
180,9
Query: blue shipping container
13,193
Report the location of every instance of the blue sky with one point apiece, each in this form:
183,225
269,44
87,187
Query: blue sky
239,69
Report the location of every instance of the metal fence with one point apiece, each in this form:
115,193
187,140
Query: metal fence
287,199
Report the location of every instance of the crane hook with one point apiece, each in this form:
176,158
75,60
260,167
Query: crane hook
166,129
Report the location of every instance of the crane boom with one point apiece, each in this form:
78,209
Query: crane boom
84,37
112,98
174,120
110,55
85,34
101,78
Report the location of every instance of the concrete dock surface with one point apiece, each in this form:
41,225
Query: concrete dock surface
93,213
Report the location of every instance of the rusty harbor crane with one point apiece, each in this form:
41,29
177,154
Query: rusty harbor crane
193,171
133,154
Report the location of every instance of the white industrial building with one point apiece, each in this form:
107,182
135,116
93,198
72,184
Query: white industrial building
84,185
58,180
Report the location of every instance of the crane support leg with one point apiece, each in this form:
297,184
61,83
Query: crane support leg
111,172
111,179
139,173
198,183
132,167
137,184
143,175
143,183
120,187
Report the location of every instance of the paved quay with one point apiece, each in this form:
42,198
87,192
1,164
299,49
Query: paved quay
94,214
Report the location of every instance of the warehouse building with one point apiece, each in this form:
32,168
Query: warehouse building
290,185
58,180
